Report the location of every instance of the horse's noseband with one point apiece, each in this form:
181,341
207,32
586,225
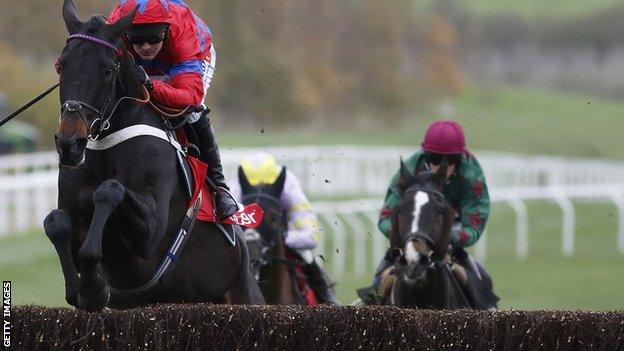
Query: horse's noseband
80,107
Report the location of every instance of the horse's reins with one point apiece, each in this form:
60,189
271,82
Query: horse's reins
104,121
80,106
28,104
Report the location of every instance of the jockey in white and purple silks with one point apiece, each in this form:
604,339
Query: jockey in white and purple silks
303,229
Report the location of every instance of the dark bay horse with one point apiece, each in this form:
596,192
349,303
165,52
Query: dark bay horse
424,275
119,208
272,267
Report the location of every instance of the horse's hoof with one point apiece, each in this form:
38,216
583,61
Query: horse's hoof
96,303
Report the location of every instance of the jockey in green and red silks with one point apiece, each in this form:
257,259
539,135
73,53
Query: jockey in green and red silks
465,188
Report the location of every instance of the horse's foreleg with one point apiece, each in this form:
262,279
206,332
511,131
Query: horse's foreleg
58,228
93,292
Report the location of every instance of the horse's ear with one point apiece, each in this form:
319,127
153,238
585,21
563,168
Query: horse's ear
70,17
278,186
404,174
122,25
440,176
246,187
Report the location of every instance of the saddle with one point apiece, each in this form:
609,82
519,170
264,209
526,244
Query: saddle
475,281
305,290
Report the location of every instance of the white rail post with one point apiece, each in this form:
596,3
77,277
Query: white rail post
22,200
4,218
358,253
480,248
337,255
567,242
522,227
618,199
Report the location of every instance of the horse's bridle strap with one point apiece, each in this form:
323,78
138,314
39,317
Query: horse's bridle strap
127,133
421,237
103,42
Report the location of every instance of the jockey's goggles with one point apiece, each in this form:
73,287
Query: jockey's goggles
436,159
150,39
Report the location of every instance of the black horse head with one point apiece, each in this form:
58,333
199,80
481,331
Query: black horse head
91,66
274,223
421,223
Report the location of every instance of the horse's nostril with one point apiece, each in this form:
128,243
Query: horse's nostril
81,141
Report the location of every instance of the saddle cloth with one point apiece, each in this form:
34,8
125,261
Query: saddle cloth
250,216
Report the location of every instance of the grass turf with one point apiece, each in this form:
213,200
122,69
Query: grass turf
591,279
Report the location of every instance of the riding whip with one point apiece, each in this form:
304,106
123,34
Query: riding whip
27,105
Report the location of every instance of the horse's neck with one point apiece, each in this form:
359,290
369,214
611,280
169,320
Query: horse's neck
130,113
279,279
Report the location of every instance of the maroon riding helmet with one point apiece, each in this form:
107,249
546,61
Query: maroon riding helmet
444,137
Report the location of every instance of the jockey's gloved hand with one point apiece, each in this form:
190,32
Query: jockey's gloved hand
456,229
143,77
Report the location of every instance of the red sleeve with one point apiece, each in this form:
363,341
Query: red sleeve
183,89
185,86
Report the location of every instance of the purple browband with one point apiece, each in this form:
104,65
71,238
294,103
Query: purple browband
95,40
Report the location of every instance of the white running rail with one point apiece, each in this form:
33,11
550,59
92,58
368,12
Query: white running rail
352,225
28,190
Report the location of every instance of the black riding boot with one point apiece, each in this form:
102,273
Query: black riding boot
320,283
224,203
370,295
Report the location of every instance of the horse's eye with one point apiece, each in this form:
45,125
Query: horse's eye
108,73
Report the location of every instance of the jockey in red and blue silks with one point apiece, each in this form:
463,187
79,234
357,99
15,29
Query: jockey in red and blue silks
176,60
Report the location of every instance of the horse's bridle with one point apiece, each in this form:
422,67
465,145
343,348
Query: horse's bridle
419,236
265,257
82,108
254,197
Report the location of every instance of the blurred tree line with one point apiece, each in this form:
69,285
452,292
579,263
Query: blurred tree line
583,54
313,63
317,64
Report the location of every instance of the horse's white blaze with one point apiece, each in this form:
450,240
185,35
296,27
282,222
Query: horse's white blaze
420,199
411,255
